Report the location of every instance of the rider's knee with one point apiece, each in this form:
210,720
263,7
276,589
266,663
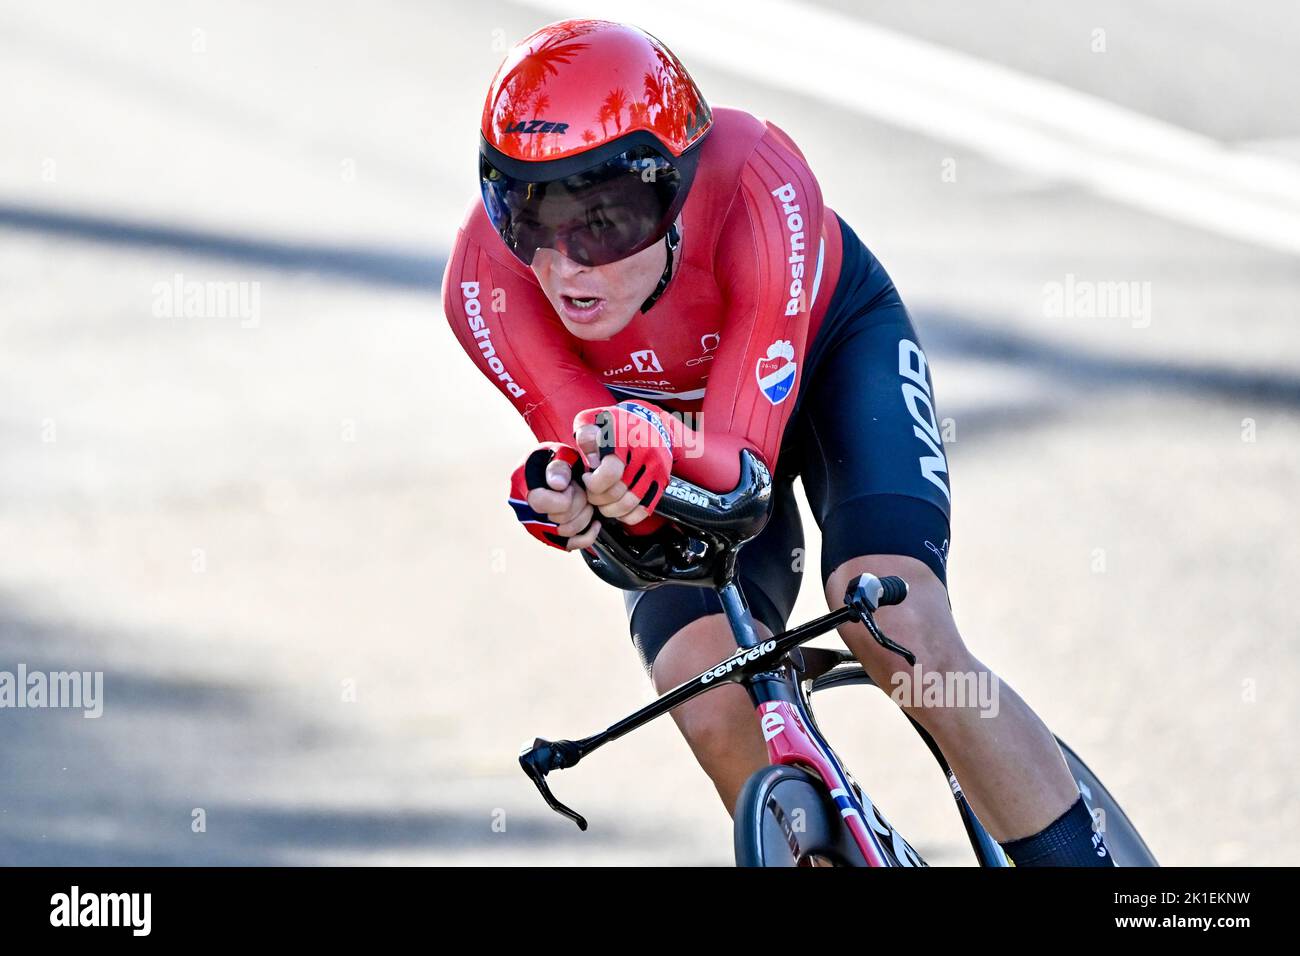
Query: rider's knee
928,632
710,722
923,623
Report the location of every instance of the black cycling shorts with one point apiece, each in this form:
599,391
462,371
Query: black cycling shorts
866,439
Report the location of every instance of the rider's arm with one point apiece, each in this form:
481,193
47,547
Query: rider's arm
504,323
766,264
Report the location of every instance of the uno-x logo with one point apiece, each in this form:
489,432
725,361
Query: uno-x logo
646,361
916,396
536,126
744,657
478,325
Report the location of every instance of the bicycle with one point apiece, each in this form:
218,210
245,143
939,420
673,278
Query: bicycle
804,809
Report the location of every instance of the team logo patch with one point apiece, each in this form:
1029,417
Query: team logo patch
776,373
647,361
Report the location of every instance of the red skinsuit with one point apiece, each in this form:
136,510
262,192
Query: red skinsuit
700,347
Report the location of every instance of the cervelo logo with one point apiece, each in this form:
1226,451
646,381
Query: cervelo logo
903,850
916,396
731,663
536,126
685,494
773,724
786,195
478,325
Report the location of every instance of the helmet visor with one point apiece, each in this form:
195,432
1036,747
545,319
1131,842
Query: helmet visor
599,215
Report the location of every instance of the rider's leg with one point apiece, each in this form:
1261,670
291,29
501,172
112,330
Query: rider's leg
1008,762
680,632
875,468
720,726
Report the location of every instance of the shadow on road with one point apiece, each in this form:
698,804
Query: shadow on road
945,333
121,789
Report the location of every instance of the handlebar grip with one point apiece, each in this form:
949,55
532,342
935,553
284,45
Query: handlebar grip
895,590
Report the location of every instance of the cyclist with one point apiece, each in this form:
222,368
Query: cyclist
673,266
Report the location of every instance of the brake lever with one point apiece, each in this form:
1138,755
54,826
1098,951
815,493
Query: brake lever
867,593
543,757
885,642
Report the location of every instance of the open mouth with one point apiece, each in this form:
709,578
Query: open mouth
579,308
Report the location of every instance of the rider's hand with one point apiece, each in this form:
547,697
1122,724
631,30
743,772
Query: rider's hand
566,503
628,483
604,483
560,510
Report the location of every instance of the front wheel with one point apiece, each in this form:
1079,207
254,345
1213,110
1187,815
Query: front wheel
785,817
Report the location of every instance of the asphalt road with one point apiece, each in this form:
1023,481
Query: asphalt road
278,529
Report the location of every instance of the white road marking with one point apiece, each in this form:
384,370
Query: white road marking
1022,121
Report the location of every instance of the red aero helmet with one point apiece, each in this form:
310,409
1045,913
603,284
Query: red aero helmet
590,137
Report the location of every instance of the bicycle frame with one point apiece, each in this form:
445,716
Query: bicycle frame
792,738
789,730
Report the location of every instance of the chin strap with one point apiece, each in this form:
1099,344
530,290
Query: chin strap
673,238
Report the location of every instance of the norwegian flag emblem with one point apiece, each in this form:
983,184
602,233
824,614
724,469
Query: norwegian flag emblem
776,373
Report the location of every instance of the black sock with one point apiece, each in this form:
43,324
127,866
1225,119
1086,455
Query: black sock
1068,840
